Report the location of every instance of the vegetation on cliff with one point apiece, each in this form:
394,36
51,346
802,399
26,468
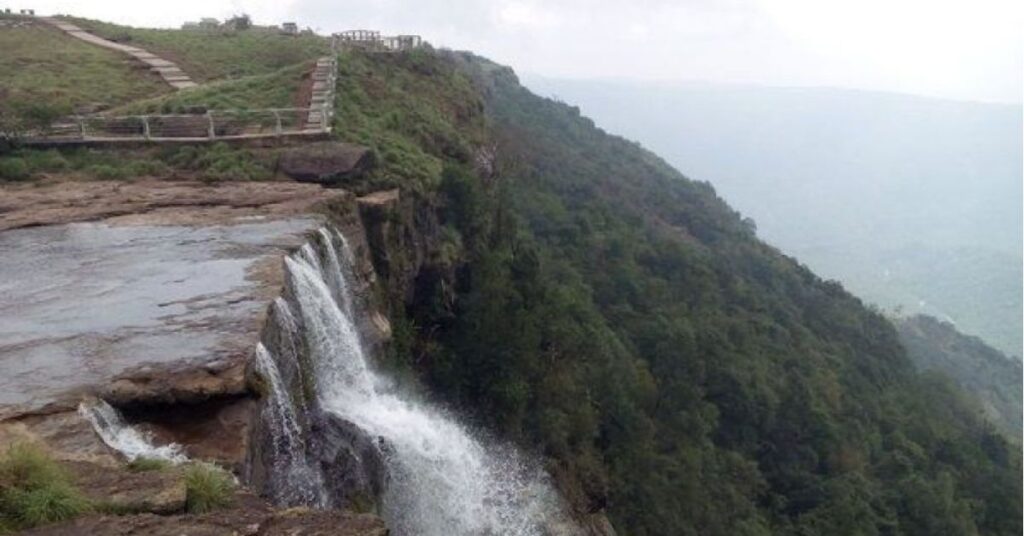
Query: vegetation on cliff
992,377
623,322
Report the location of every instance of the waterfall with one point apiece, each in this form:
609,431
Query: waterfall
297,482
120,436
441,479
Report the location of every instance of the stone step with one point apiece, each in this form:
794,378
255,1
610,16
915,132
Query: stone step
171,73
158,62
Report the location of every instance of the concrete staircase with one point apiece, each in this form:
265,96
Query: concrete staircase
321,100
170,72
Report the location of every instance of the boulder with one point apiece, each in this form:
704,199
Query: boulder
378,205
326,163
352,462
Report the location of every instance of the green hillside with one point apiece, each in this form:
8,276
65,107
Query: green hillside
992,377
913,203
618,319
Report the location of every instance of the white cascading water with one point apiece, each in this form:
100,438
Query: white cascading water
441,480
122,437
298,482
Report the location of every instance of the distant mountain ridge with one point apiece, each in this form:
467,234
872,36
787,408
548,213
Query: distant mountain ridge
912,202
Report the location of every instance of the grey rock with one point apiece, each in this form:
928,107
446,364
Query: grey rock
326,163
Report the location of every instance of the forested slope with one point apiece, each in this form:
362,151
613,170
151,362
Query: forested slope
993,378
912,203
622,321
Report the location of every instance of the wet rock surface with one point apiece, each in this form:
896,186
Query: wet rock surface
84,304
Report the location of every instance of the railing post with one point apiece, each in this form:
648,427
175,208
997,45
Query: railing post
277,123
81,126
145,126
211,132
323,117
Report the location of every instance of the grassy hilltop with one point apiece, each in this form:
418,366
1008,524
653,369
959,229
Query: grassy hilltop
260,67
43,67
45,74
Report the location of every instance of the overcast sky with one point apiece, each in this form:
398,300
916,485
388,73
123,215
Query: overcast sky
967,49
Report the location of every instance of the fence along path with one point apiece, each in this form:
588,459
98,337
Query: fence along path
170,72
314,120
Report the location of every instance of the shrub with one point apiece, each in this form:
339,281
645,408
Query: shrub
147,168
107,172
35,490
14,169
218,162
141,465
41,505
208,487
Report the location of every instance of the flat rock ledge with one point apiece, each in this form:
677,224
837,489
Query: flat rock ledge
155,202
165,386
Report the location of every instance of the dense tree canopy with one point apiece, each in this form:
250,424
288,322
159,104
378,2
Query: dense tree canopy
622,322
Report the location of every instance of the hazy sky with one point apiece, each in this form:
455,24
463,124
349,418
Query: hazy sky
967,49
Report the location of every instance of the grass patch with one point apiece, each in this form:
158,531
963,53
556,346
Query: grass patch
217,54
14,169
221,162
210,163
27,164
208,488
415,110
142,465
274,90
35,490
41,68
